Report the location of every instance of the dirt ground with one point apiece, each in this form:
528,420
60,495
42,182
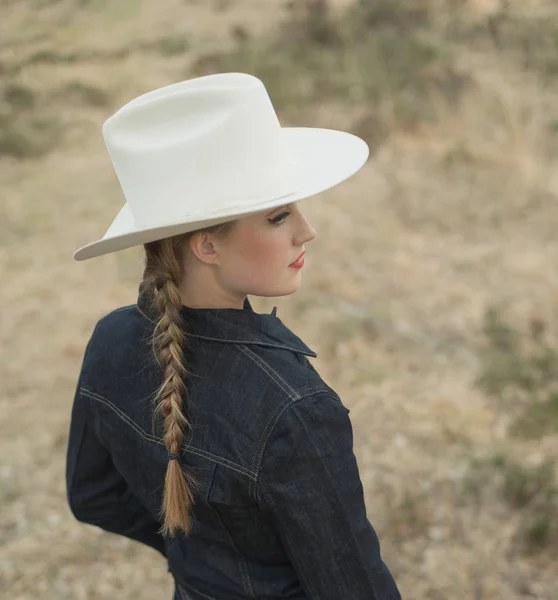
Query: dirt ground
442,223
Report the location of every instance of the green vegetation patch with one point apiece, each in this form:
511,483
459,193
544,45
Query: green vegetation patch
521,370
530,490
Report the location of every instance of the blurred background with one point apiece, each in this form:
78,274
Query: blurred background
430,293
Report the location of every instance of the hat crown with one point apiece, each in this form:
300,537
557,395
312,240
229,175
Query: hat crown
197,147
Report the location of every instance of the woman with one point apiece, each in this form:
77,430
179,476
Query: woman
199,427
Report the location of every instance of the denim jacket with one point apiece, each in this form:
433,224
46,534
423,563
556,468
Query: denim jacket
279,507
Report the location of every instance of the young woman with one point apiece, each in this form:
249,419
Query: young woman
199,427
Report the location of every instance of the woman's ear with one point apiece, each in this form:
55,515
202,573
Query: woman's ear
202,245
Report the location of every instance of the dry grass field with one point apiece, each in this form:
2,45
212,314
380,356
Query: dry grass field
430,293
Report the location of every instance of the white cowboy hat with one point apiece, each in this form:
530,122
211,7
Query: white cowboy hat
209,150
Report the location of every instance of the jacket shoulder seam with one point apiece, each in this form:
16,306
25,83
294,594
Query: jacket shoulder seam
269,370
270,426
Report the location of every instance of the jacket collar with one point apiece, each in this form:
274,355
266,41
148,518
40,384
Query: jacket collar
231,325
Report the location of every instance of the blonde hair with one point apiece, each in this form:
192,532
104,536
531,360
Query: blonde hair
162,276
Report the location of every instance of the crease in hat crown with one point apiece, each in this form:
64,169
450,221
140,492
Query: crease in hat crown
215,137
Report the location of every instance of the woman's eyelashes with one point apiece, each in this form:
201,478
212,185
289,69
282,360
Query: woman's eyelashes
280,218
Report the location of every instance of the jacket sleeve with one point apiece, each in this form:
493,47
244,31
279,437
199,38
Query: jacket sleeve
97,493
309,483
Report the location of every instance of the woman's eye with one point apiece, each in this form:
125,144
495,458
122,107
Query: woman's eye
279,218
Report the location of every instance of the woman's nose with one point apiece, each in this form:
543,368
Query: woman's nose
311,234
306,232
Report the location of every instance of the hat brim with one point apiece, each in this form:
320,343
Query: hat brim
325,158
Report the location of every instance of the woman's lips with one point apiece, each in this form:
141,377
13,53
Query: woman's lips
299,262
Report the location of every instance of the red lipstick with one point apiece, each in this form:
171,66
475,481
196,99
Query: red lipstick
299,262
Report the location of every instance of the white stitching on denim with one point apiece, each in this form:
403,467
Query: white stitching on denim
256,342
262,364
222,461
141,311
119,309
258,453
122,415
182,593
241,559
246,579
294,548
198,451
253,483
185,586
116,310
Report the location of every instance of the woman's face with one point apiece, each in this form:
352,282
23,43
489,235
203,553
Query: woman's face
253,259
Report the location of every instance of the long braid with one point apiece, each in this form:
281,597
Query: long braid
162,275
